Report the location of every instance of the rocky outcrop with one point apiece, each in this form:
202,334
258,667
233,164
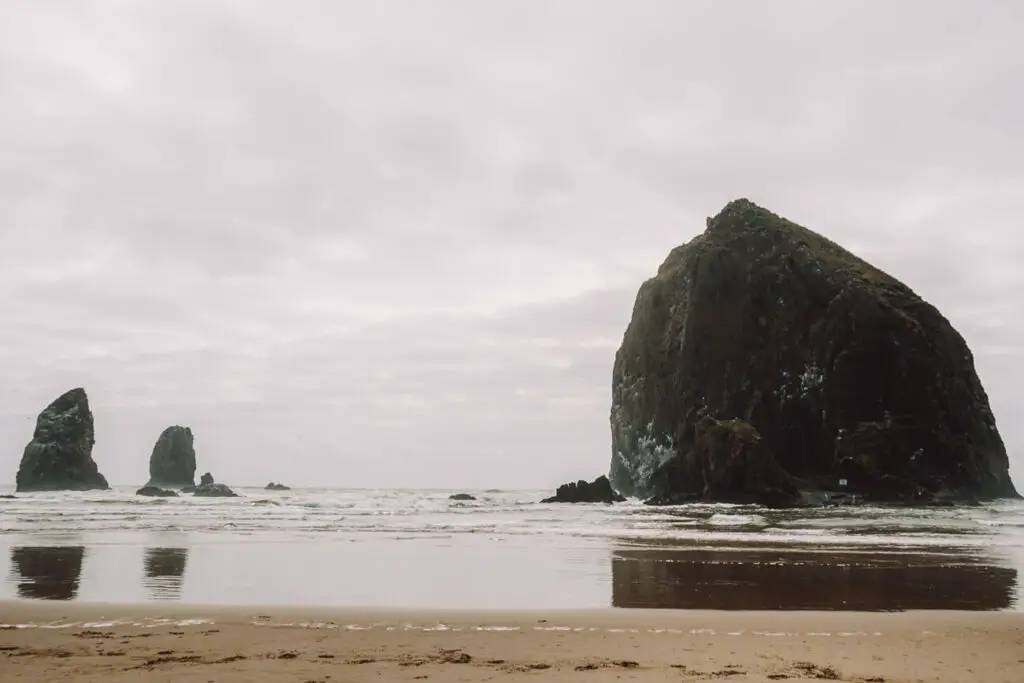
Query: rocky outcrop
461,496
205,480
598,491
214,491
156,492
59,457
173,461
764,359
730,463
276,487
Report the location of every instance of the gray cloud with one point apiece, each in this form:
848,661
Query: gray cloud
397,242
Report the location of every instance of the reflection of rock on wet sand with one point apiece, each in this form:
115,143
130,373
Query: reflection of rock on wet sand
47,572
786,580
165,572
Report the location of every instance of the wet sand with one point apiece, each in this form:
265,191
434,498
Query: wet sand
107,643
464,575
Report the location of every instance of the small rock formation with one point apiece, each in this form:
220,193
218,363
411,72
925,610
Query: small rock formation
156,492
461,496
766,363
59,457
276,487
598,491
214,491
204,480
173,462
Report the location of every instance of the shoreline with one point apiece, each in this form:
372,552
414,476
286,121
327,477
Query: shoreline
118,642
51,609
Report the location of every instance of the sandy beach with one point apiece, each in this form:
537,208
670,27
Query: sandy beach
85,643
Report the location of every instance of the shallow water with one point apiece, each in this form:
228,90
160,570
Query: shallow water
389,548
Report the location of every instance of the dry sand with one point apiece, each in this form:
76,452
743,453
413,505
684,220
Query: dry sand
86,643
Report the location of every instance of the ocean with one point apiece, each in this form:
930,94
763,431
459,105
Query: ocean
416,548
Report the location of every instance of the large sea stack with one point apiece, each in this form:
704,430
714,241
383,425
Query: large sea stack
173,462
764,361
59,457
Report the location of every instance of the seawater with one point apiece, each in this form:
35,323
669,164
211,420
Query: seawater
417,548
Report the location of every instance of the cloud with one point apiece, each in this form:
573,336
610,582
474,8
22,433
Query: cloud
398,242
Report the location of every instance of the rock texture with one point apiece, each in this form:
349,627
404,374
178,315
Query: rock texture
173,461
59,457
598,491
213,491
764,359
276,487
461,496
156,492
206,479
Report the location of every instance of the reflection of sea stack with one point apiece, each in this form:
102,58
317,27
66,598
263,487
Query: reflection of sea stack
59,457
768,580
48,573
165,571
173,462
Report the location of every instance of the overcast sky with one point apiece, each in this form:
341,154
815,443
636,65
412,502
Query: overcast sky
397,243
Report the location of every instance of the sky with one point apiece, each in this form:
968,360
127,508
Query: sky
396,244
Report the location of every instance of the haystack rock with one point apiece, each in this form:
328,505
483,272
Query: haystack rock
173,462
765,363
59,457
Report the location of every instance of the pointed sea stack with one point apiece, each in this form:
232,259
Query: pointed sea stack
173,462
764,360
59,457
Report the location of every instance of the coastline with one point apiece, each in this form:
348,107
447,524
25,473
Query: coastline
103,642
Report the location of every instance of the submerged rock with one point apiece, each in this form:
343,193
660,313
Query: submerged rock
59,457
155,491
214,491
7,496
173,461
765,361
598,491
461,496
276,487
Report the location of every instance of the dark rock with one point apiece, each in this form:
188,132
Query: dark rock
189,489
59,457
276,487
674,498
7,496
461,496
206,479
598,491
214,491
158,492
852,383
173,462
